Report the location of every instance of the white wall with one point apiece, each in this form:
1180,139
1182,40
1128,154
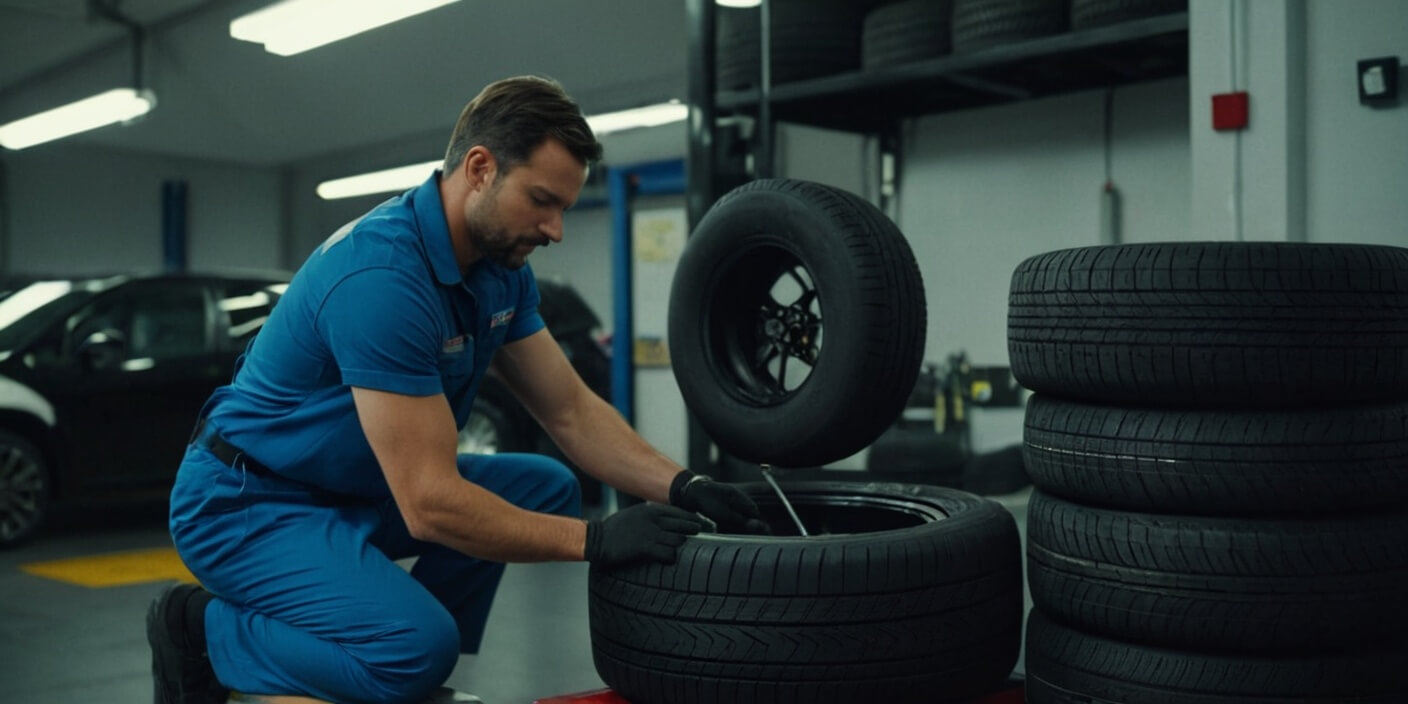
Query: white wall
983,189
71,207
1356,156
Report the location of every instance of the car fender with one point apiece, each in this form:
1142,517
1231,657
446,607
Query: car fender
19,397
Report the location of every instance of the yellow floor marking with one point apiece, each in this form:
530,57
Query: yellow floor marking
116,569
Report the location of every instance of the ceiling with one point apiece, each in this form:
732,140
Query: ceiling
223,99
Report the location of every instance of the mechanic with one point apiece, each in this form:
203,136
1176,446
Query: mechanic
332,453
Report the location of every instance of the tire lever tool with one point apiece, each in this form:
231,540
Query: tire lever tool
767,474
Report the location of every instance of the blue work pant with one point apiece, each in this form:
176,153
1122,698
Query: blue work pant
309,600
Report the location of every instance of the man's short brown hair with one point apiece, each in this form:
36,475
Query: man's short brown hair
513,116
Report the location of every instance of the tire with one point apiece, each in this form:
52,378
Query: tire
1065,666
906,31
25,489
1098,13
913,595
921,456
765,265
1224,463
980,24
1213,324
1220,584
810,38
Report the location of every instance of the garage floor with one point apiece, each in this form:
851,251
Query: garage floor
62,642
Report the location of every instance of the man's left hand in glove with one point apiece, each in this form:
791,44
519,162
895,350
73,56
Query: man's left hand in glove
724,504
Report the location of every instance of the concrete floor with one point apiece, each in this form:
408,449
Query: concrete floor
65,643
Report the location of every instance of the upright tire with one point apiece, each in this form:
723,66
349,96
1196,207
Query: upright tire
1098,13
1213,324
980,24
906,31
810,38
796,323
904,594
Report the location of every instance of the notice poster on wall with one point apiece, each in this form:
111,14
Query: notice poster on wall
657,239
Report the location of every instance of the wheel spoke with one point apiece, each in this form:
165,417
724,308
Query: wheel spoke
805,301
765,355
803,283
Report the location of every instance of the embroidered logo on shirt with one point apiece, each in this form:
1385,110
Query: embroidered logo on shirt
454,345
503,317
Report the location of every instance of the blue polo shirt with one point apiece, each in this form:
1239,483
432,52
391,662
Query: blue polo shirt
381,304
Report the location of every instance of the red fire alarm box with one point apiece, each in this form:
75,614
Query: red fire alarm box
1229,111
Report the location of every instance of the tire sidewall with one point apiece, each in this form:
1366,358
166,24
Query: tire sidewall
752,222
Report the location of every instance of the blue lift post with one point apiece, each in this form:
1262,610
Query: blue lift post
623,184
173,224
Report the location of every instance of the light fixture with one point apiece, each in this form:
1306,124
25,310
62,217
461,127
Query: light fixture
403,177
291,26
739,3
648,116
116,105
397,179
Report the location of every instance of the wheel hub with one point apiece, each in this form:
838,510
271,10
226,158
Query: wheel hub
792,329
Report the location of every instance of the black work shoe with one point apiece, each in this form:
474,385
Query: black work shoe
181,672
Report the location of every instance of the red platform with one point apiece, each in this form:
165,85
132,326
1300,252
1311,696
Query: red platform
1013,695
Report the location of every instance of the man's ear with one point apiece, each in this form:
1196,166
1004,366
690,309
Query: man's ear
478,167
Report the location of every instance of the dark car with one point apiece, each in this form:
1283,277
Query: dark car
101,379
499,423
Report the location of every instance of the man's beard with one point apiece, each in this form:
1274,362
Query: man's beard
492,240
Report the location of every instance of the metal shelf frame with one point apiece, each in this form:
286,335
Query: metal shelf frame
877,101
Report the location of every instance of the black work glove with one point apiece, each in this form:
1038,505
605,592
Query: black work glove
639,533
724,504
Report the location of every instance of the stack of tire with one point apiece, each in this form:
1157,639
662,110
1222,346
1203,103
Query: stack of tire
1219,438
813,38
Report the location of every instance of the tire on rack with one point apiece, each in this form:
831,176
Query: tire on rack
1225,463
1220,584
1066,666
979,24
1213,324
796,323
906,31
912,594
810,38
1098,13
25,489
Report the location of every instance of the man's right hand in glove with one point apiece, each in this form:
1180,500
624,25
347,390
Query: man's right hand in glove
642,532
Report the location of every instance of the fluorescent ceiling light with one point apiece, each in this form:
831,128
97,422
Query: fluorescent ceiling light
116,105
739,3
403,177
648,116
291,26
397,179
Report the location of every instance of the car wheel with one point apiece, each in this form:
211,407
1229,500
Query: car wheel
489,430
796,323
24,489
902,593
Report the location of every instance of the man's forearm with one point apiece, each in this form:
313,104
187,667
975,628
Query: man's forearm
473,520
598,440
